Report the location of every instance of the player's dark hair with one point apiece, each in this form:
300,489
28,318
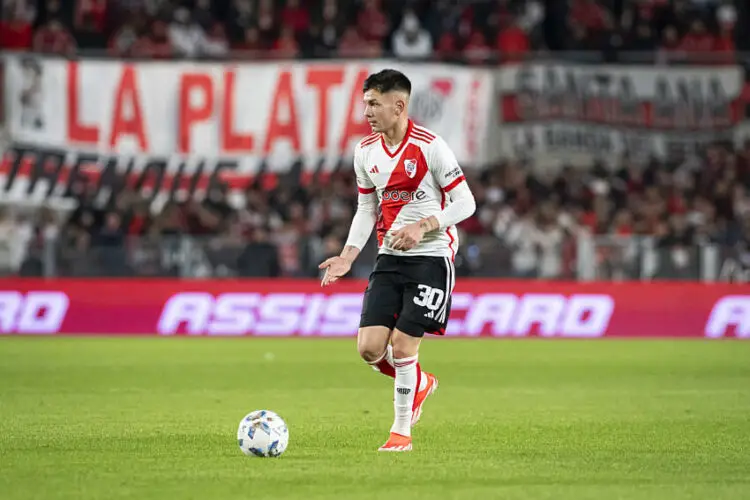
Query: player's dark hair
387,80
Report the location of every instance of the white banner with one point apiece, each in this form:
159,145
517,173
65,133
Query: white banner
555,113
278,112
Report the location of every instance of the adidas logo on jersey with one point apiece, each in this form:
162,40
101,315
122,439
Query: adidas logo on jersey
430,315
374,169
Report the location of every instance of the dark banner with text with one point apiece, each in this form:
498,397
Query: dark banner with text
555,112
481,308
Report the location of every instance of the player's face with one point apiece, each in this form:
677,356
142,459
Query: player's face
383,110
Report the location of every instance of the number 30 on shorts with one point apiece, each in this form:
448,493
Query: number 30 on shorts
429,297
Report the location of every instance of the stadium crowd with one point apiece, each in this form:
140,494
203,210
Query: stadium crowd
526,224
470,30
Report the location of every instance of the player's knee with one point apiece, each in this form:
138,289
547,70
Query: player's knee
369,350
404,346
370,353
372,342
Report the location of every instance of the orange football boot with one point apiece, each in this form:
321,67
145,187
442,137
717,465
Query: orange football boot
419,399
396,442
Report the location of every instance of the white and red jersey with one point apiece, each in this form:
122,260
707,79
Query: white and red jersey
411,182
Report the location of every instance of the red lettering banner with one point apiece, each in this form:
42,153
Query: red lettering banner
277,113
481,308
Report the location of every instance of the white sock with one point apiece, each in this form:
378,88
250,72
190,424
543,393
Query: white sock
384,364
405,389
389,354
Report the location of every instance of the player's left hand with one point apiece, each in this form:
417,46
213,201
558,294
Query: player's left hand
407,237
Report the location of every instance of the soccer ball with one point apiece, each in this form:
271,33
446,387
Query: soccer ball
263,433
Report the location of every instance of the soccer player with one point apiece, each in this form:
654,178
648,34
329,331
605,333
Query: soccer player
414,177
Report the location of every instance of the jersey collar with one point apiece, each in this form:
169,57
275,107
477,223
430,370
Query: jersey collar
400,148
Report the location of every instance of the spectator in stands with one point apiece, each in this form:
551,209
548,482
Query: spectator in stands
286,46
372,22
520,238
215,43
676,243
678,14
25,10
726,15
267,22
531,18
15,235
589,14
123,41
109,243
447,48
89,34
51,9
91,13
579,38
353,44
476,50
251,42
549,238
698,43
643,39
671,48
15,30
155,43
511,26
330,14
326,30
410,40
172,221
260,258
186,36
203,15
513,42
724,45
447,17
54,38
242,16
295,16
499,17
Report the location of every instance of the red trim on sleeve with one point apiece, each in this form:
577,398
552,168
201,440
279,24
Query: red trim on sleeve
366,190
453,184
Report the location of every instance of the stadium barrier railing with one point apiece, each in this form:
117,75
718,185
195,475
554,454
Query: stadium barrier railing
69,253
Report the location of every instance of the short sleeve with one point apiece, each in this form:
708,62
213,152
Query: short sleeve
444,165
364,183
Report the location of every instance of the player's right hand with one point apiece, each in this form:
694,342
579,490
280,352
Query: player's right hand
335,267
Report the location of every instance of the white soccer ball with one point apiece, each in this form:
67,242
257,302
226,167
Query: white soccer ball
263,433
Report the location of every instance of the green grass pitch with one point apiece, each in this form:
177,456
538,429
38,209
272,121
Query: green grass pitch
156,418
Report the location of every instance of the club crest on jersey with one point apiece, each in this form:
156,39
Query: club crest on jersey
411,167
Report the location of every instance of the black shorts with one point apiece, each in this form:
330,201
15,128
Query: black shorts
412,294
